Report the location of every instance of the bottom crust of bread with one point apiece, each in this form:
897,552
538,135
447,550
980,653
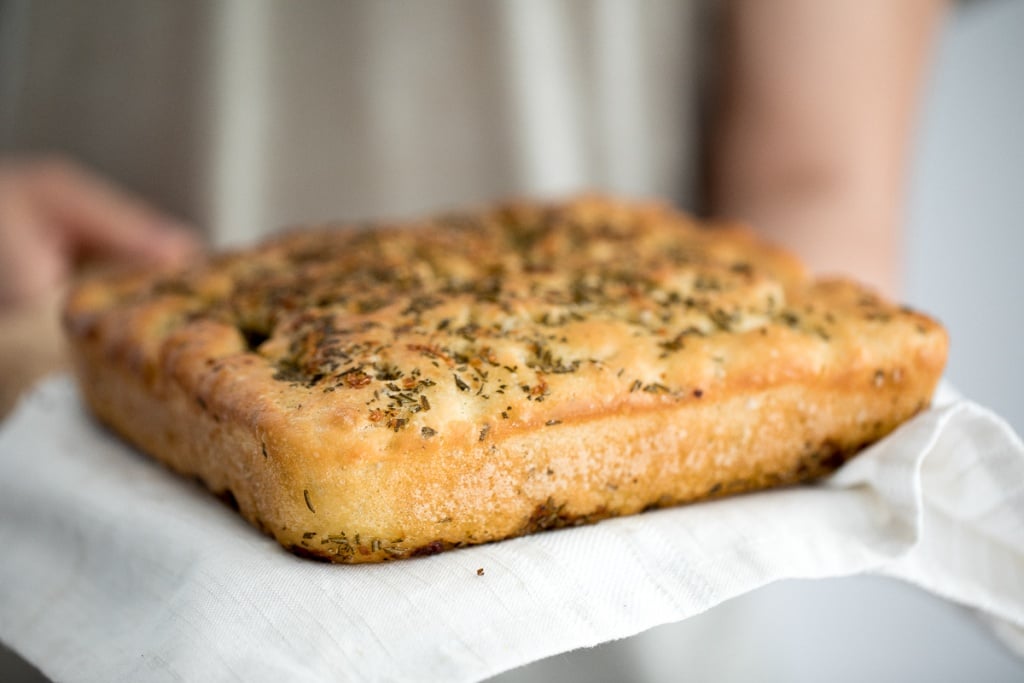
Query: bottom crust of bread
376,509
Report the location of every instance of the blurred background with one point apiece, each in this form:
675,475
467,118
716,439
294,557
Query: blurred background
965,216
965,240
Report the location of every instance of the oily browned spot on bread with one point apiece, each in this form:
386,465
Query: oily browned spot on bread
227,496
309,553
551,515
432,548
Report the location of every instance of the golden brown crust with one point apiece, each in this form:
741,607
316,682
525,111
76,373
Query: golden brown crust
364,395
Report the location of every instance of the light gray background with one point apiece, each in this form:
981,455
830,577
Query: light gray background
966,214
966,266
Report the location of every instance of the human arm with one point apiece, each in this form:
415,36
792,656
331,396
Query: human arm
813,128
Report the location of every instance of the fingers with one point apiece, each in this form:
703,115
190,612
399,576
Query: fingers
99,219
33,262
55,215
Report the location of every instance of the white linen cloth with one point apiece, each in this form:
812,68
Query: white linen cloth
112,568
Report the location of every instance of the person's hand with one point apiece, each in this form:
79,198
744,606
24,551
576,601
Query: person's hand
56,216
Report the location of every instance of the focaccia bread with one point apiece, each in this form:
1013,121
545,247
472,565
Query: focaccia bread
366,393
